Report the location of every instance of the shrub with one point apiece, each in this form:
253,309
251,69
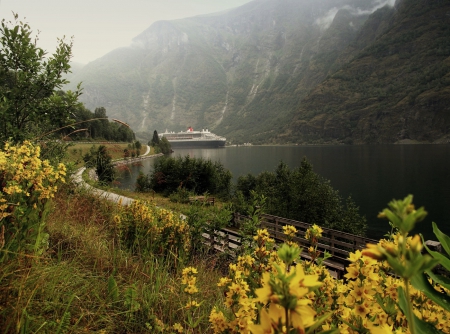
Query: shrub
145,229
181,195
27,184
142,183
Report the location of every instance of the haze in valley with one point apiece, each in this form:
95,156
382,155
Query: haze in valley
101,26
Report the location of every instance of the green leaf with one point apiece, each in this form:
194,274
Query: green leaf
393,218
24,322
422,327
318,323
420,282
388,307
442,237
395,264
443,260
442,280
113,290
414,267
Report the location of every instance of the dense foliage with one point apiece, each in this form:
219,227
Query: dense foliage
155,139
133,150
163,146
32,104
302,195
30,80
192,174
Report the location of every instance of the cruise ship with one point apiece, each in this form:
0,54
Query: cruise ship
193,139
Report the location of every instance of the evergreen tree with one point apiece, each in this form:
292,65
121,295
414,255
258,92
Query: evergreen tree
155,139
104,167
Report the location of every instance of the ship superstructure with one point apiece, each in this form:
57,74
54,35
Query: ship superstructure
193,139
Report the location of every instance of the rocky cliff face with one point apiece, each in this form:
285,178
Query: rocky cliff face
281,71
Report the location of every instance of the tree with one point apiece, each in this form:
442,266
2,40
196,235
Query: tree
29,83
303,195
138,146
104,167
164,146
191,174
155,139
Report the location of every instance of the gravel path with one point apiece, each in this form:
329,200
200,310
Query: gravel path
78,179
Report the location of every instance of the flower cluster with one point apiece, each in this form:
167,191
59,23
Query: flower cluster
304,295
26,184
143,226
244,277
313,234
286,294
24,174
189,280
281,291
289,231
191,309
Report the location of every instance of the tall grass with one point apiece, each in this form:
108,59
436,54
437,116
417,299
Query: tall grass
86,282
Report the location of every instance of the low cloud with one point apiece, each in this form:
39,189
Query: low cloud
325,21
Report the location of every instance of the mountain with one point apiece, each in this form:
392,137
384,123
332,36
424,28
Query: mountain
286,71
393,86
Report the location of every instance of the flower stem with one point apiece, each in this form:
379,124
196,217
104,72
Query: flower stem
409,314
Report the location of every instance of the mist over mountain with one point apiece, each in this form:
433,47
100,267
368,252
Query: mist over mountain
286,71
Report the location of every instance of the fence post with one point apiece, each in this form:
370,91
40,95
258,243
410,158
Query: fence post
226,246
332,244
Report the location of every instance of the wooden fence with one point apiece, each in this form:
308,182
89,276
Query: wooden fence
338,244
225,240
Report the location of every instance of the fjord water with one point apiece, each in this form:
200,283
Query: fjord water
372,175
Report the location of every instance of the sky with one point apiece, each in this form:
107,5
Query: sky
100,26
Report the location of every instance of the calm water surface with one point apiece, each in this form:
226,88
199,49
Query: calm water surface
372,175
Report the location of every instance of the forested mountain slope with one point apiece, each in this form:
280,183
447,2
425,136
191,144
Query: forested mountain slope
396,89
285,71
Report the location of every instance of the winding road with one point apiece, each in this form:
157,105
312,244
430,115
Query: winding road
77,178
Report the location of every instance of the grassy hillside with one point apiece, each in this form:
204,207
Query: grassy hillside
87,283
